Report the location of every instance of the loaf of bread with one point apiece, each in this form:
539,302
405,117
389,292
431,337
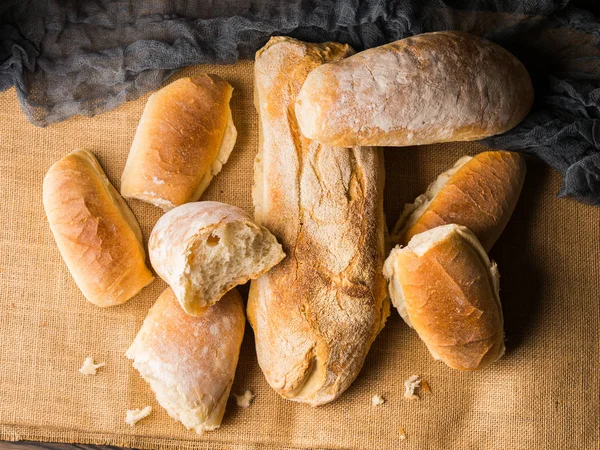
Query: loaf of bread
96,232
184,137
479,192
189,361
434,87
316,314
204,249
446,288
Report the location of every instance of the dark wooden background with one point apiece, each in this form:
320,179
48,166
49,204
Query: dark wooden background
27,445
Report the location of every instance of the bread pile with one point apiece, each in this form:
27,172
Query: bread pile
315,251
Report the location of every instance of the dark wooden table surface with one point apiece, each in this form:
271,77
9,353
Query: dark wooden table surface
27,445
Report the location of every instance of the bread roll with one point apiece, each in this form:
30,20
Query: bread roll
315,314
204,249
189,361
479,192
445,287
183,139
434,87
96,232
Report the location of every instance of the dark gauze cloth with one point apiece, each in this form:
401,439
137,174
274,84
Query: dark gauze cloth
68,57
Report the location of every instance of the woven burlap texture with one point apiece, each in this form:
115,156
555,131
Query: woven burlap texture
544,394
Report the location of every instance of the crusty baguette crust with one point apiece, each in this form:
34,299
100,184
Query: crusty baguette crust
481,195
189,361
316,313
171,247
435,87
96,232
184,137
447,289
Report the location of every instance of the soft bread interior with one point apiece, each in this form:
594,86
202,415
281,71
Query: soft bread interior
413,211
225,149
154,199
226,256
495,276
113,195
394,285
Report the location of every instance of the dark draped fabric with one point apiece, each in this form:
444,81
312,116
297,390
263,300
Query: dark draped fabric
68,57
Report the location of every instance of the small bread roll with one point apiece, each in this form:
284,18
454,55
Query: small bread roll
434,87
184,137
479,192
189,361
96,232
204,249
445,287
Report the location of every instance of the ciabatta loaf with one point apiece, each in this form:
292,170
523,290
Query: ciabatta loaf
435,87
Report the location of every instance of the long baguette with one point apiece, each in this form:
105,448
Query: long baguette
316,314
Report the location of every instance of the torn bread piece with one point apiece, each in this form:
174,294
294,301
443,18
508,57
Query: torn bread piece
133,416
377,400
204,249
89,368
446,288
185,136
190,361
410,385
244,400
479,192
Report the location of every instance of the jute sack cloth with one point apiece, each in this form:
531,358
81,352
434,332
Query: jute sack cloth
544,394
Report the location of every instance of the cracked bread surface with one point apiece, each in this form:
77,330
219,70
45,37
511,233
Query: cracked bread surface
316,314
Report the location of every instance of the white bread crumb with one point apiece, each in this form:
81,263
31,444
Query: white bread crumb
88,367
377,400
245,399
410,385
135,415
402,434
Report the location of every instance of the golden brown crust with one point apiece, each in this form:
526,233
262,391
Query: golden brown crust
178,140
317,312
190,361
448,288
481,195
435,87
96,232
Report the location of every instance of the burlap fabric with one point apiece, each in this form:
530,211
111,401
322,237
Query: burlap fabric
544,394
